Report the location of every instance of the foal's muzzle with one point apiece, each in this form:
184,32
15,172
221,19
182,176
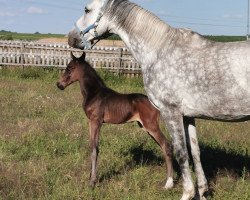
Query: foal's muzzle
60,86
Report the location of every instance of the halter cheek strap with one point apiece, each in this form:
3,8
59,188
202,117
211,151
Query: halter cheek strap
84,42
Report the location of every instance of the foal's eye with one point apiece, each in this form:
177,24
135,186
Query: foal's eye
86,10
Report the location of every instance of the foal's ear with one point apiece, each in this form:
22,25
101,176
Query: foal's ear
82,58
72,56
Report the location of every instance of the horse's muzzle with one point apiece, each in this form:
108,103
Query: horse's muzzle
77,40
60,86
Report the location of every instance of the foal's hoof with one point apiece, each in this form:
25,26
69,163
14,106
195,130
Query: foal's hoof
169,184
92,184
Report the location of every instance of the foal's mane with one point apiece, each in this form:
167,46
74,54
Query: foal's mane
91,74
133,18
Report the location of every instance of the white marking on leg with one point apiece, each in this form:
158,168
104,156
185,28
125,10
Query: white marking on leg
169,184
195,150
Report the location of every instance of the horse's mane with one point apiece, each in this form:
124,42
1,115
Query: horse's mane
138,21
134,19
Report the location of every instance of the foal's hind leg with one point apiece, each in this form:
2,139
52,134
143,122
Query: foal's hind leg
152,127
94,130
192,140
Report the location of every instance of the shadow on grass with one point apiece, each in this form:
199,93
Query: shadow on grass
213,160
140,157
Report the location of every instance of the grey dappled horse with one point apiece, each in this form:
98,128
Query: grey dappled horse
185,75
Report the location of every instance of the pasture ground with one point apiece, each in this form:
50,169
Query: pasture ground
44,147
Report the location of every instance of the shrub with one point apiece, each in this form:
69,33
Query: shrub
6,37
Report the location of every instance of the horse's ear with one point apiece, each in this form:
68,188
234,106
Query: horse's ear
72,56
82,58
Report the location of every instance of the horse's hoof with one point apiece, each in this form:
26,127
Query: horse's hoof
198,197
202,190
187,197
188,193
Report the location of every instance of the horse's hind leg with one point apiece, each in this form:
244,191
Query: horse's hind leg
192,140
94,129
152,127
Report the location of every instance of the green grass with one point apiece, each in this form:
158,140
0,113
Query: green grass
224,38
7,35
44,147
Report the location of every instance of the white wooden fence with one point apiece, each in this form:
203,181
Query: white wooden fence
20,53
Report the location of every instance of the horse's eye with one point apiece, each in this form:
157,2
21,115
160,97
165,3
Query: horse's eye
86,10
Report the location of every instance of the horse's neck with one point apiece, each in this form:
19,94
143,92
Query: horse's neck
143,33
150,39
174,39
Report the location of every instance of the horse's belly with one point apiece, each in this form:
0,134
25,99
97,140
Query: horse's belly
221,116
219,110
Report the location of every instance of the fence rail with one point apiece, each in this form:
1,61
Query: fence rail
21,53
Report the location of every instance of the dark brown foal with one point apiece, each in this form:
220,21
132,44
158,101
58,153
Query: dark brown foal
103,105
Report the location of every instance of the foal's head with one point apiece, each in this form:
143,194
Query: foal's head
72,72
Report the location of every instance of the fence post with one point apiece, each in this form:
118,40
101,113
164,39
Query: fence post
119,66
22,55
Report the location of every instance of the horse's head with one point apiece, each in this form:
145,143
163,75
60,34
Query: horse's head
72,72
91,25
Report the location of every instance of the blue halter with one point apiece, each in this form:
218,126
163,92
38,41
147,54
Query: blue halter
84,42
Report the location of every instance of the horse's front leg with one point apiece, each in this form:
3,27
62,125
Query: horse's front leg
191,135
94,130
174,122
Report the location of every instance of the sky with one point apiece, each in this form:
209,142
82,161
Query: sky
207,17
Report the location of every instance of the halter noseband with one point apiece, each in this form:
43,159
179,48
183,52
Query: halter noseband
84,42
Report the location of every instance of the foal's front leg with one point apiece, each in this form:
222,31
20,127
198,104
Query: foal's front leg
94,130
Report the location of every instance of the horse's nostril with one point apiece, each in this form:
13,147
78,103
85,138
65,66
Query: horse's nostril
75,43
60,86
